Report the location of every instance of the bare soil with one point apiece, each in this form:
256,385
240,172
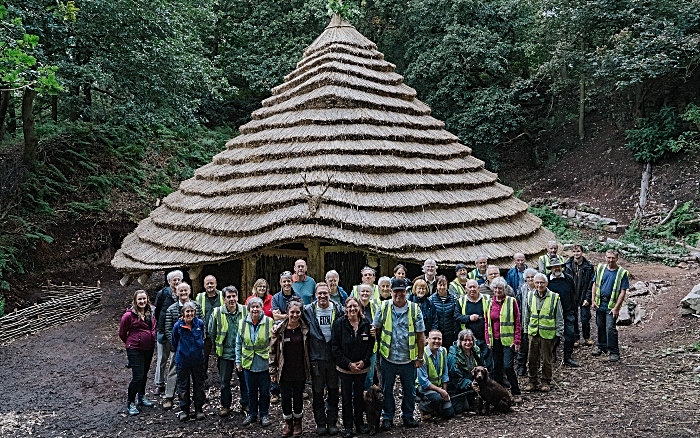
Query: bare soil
71,381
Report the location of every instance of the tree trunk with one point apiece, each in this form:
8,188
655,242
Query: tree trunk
87,112
581,109
643,191
31,143
74,104
4,103
54,108
640,94
12,121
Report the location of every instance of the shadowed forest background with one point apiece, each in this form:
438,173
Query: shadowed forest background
107,105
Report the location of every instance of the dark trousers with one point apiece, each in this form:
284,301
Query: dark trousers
324,377
585,323
503,362
432,403
226,368
139,362
292,398
524,348
258,384
486,354
353,386
569,336
607,331
184,373
407,375
208,344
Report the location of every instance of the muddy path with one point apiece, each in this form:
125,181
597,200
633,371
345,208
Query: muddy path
70,381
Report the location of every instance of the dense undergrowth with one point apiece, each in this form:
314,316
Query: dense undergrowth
666,243
92,171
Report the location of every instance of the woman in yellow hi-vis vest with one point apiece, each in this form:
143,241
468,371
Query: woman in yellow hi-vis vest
252,356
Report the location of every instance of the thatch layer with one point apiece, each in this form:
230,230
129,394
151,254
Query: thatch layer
345,153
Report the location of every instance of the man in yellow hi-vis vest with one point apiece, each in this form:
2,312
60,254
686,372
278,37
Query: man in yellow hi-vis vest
399,326
609,291
223,330
543,319
432,380
208,300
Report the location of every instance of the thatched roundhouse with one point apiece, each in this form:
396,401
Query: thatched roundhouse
342,166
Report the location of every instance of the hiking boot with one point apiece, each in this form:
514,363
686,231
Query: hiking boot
596,352
614,358
545,388
298,428
223,412
348,433
265,420
132,409
529,387
168,404
183,416
386,425
250,419
274,398
589,342
321,429
362,429
199,415
332,429
577,344
570,363
410,422
141,400
288,428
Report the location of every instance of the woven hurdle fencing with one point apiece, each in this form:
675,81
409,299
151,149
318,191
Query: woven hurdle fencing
62,304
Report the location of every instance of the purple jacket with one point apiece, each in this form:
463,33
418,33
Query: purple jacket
137,334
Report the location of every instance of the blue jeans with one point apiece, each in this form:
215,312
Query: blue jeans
407,375
607,331
226,368
258,392
369,379
432,402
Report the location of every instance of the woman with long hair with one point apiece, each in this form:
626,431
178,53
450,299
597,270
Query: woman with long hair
137,329
289,366
262,290
352,347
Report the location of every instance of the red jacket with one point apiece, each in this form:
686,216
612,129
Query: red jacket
496,322
137,334
267,304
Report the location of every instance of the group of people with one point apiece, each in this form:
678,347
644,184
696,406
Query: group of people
429,332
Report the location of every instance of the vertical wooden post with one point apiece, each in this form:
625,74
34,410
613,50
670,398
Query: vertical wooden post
384,269
315,260
248,277
195,272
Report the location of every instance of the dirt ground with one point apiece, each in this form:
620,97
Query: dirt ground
70,381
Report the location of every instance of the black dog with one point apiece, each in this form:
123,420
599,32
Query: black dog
490,393
373,408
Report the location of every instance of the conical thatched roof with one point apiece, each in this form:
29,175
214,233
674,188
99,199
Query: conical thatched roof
341,152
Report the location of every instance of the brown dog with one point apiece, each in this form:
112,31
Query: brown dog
373,408
490,393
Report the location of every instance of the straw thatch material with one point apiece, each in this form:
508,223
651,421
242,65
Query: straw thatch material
342,152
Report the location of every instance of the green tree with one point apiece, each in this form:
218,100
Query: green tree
464,57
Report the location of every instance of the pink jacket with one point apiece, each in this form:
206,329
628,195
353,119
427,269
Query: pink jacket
135,333
496,321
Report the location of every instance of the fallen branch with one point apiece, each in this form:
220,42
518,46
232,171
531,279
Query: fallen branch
668,216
